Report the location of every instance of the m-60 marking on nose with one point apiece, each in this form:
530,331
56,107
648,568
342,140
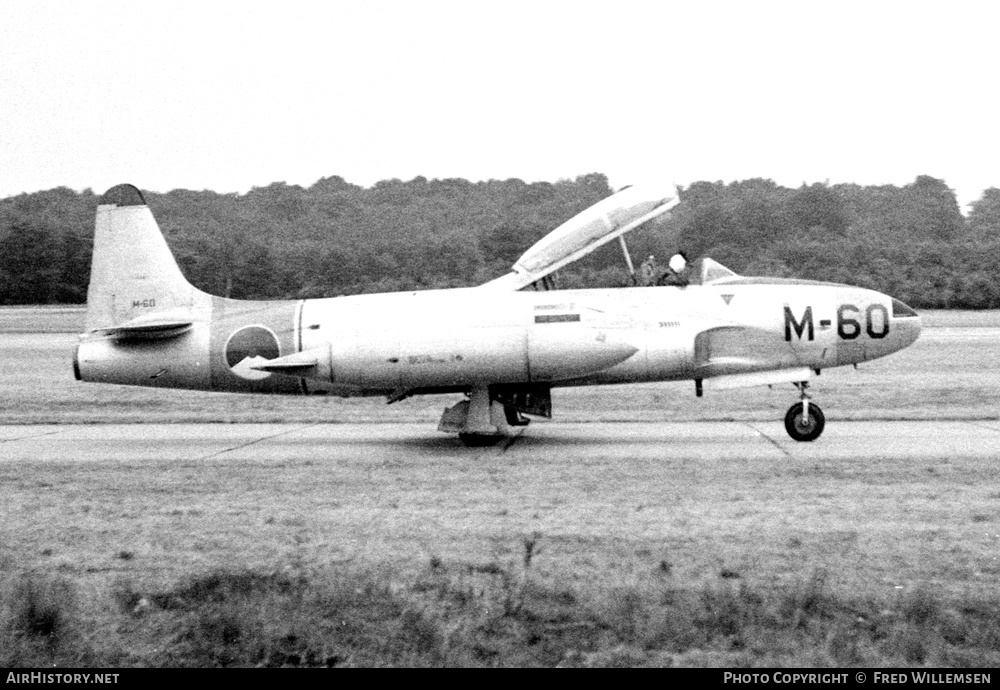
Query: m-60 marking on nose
848,327
800,327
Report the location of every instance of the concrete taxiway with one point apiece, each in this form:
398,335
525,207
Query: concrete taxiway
976,439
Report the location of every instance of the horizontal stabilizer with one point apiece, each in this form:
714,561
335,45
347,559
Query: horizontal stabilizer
150,327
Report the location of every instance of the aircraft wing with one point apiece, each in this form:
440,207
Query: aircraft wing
583,233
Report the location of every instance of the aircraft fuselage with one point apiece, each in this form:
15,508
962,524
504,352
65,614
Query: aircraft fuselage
453,339
501,345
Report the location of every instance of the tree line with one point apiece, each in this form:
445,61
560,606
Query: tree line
336,238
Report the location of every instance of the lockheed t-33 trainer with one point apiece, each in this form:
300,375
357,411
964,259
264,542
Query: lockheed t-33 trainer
502,346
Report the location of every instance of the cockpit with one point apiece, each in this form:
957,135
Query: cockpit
701,271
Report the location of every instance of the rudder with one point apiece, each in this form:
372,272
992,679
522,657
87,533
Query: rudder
133,273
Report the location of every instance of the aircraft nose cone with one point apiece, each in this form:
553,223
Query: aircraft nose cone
910,330
906,324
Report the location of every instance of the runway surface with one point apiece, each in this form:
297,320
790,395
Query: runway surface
540,441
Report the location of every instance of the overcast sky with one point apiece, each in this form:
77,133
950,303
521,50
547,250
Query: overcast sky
231,95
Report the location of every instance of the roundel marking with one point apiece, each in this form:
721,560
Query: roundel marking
248,346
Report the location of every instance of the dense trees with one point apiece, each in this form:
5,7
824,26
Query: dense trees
984,218
338,238
45,246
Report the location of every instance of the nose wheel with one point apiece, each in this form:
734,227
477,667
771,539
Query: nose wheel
804,420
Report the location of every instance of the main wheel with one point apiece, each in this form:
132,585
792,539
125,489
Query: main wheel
479,440
514,417
802,429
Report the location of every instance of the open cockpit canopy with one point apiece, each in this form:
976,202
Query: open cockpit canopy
585,232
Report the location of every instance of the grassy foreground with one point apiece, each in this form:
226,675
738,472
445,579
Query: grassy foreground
455,559
487,614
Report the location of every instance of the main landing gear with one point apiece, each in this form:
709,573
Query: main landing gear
804,420
481,420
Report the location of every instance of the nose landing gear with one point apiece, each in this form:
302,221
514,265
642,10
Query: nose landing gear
804,421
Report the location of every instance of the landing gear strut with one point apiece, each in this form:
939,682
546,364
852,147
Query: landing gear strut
804,420
481,420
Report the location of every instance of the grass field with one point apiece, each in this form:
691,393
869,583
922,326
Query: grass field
456,557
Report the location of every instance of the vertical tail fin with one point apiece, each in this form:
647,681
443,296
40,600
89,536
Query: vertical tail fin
134,277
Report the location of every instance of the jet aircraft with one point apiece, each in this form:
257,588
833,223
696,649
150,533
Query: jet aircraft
502,345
